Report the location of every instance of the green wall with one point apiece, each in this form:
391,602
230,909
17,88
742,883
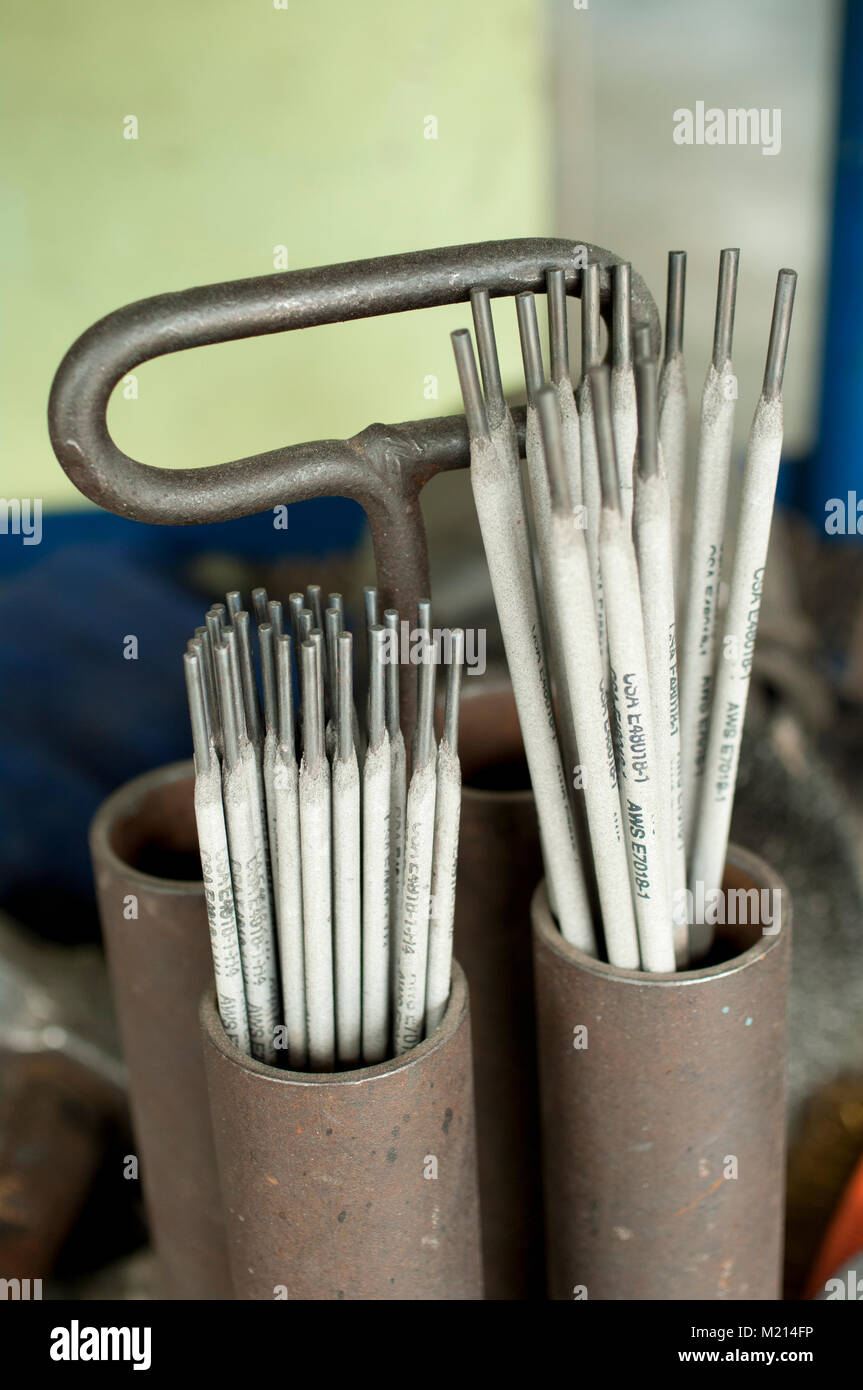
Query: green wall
258,127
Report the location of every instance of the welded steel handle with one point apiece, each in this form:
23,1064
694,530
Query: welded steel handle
383,468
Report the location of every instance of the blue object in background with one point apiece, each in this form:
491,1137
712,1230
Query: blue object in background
78,717
835,469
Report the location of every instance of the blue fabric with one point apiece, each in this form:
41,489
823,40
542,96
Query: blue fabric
78,719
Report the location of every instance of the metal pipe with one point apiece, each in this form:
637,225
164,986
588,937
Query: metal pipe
663,1112
154,921
350,1185
499,864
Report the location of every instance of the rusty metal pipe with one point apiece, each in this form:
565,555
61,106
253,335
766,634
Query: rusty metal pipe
498,867
358,1184
663,1124
143,844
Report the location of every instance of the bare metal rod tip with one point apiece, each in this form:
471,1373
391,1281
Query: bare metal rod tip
468,378
276,616
558,339
377,680
600,390
621,310
590,318
195,692
780,328
391,623
551,435
260,605
489,364
285,683
531,352
726,299
675,297
646,404
345,701
453,689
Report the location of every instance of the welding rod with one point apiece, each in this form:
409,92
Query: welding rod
499,504
623,407
744,600
559,376
287,854
268,754
591,491
398,788
445,855
315,842
376,855
674,400
409,1004
638,771
581,662
704,571
347,914
246,850
215,865
652,531
501,427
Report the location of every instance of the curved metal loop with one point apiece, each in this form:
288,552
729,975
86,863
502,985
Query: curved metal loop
383,468
167,323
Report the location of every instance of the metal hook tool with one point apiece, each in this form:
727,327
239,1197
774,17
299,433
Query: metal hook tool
383,468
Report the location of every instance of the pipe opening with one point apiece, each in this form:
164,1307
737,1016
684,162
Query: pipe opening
157,836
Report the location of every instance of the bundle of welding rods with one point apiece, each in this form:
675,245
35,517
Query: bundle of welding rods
329,873
634,781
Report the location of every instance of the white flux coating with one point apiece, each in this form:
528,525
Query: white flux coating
640,785
413,953
540,497
624,418
735,663
219,895
652,531
570,430
398,804
444,868
251,896
347,912
592,502
498,499
585,678
698,647
315,812
285,852
268,768
673,410
376,906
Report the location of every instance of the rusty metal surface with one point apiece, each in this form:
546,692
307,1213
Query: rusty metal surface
680,1072
499,866
323,1175
52,1117
160,964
